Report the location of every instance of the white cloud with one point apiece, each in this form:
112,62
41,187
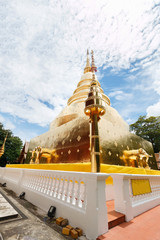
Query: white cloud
129,120
120,95
126,111
152,81
25,135
114,93
2,119
43,45
7,123
154,110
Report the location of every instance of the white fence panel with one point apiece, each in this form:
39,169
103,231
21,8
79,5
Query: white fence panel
127,203
78,196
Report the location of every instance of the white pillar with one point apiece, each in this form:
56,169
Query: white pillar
96,209
2,173
123,202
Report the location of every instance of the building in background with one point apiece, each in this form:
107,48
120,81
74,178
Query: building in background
23,154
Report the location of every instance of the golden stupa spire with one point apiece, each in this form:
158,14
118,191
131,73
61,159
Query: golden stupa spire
93,66
81,92
87,67
94,81
3,145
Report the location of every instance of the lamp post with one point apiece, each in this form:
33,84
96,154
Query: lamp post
94,108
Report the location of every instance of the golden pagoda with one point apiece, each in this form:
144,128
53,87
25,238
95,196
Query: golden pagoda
68,140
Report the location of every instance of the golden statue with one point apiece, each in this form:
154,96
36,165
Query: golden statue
41,155
136,158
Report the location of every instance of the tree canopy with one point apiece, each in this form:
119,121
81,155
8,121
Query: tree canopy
13,146
149,129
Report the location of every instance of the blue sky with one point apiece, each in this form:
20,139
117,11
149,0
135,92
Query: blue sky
43,52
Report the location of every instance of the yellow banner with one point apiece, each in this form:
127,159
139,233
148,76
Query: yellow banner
140,186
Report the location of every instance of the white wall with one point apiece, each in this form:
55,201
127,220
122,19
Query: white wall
78,196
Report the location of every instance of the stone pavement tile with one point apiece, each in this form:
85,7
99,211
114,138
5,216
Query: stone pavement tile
5,205
30,228
2,199
6,210
5,213
82,238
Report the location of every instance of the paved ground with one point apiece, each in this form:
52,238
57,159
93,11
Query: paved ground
142,227
30,226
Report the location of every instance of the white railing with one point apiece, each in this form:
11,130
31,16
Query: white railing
62,186
78,196
127,203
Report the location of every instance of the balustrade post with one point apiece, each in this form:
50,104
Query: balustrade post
123,203
2,173
96,209
20,181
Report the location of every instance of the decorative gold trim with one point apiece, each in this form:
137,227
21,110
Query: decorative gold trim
85,80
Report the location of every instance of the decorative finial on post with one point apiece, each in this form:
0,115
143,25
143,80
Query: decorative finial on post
94,108
93,66
88,66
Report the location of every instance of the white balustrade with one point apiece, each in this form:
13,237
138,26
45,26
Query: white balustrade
126,202
78,196
81,197
56,185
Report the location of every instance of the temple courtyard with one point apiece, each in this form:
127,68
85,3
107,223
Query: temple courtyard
32,223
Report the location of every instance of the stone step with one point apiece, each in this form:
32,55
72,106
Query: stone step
115,218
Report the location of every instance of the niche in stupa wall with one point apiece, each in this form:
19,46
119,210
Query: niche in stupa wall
65,119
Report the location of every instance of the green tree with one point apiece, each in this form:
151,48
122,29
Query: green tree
149,129
13,146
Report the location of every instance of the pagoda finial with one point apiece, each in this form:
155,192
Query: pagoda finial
94,108
94,81
93,66
87,67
